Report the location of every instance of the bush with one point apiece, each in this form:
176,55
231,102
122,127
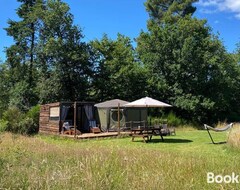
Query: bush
3,125
13,117
27,126
17,122
33,114
171,119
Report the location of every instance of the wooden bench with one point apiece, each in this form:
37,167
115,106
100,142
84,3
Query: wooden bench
72,132
141,132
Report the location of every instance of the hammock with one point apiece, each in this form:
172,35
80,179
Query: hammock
229,126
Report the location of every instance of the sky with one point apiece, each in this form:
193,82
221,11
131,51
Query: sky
129,17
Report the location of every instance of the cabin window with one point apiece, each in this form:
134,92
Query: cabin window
54,113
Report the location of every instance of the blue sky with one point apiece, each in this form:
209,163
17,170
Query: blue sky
129,17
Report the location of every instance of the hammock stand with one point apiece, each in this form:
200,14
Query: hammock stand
229,126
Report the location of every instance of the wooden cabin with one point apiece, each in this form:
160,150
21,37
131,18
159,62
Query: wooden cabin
77,114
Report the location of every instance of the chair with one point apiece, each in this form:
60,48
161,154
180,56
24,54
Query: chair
165,130
69,129
172,131
93,127
208,128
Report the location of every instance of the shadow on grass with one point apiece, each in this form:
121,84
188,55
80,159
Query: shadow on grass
216,143
170,141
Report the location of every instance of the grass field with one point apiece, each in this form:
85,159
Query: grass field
181,162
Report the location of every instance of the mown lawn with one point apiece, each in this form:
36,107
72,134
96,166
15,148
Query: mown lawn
181,162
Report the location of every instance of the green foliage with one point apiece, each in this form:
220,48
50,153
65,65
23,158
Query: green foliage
189,67
21,56
48,61
19,95
170,118
3,125
13,117
4,88
64,60
173,120
32,117
49,88
16,121
118,74
169,11
178,60
34,113
27,126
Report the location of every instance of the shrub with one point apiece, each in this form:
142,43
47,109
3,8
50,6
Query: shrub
33,114
173,120
13,117
3,125
17,122
27,126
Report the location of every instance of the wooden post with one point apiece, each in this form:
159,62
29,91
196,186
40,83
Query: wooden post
118,118
75,118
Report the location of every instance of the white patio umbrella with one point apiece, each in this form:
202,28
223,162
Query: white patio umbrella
147,102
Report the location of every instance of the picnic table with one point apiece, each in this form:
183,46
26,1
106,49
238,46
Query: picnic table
146,133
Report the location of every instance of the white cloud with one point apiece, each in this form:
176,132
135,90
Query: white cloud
208,11
237,16
210,6
207,3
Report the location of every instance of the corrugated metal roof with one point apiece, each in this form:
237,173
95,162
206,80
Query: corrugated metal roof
111,103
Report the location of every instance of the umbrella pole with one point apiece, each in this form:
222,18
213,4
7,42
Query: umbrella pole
118,118
75,115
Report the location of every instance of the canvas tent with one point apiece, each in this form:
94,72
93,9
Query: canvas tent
108,114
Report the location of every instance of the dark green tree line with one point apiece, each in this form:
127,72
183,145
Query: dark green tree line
178,60
48,60
189,66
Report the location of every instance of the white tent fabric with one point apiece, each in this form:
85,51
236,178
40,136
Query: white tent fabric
147,102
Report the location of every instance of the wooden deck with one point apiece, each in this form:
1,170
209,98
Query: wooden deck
98,135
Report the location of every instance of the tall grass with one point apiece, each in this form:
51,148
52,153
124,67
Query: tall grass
180,162
234,136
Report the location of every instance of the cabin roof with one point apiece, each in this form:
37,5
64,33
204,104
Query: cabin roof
111,103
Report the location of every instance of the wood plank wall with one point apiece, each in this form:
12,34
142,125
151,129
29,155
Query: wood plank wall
46,125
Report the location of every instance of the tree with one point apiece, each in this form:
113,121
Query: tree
21,56
4,88
189,67
64,60
48,61
169,10
118,73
